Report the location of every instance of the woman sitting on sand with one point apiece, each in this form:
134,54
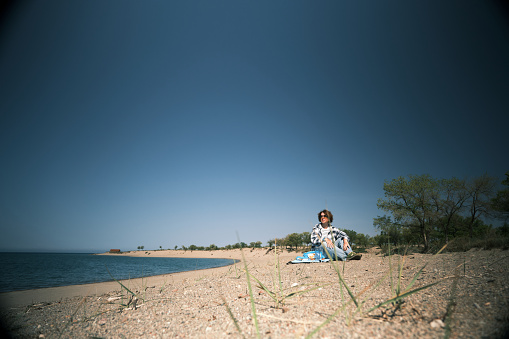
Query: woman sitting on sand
336,242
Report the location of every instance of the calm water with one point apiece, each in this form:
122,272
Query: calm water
23,271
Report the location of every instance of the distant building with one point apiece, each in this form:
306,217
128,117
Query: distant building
114,250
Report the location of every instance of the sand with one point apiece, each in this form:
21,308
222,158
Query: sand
469,298
45,295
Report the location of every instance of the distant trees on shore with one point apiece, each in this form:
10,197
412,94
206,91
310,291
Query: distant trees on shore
293,241
212,247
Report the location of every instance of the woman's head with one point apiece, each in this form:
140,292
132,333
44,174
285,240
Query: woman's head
326,214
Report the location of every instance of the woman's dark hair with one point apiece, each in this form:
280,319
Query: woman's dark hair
329,214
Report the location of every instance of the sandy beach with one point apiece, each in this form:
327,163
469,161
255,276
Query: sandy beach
469,298
45,295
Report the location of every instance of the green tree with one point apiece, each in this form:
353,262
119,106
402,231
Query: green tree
480,194
457,226
390,231
500,204
305,238
352,235
363,240
411,201
378,240
503,230
294,240
450,202
239,245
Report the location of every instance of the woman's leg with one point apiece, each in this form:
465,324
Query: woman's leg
336,253
339,245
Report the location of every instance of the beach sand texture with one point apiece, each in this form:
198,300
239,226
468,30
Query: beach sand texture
471,299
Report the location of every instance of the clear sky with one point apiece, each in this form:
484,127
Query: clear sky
170,123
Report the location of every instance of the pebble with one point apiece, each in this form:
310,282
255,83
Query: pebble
437,323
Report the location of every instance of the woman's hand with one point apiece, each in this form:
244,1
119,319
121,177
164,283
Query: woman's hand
329,243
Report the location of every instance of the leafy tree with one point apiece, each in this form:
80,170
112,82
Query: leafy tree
363,240
271,242
457,226
500,204
460,227
294,239
378,240
390,231
352,235
480,191
503,230
409,236
454,194
305,238
193,248
411,201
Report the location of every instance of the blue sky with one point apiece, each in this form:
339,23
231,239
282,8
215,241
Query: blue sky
169,123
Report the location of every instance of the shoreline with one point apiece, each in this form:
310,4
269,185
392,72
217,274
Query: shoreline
461,293
23,298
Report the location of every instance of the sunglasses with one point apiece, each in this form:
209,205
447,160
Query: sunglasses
324,216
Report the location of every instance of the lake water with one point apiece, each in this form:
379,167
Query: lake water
23,271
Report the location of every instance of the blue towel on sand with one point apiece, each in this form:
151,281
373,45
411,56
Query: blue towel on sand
309,257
